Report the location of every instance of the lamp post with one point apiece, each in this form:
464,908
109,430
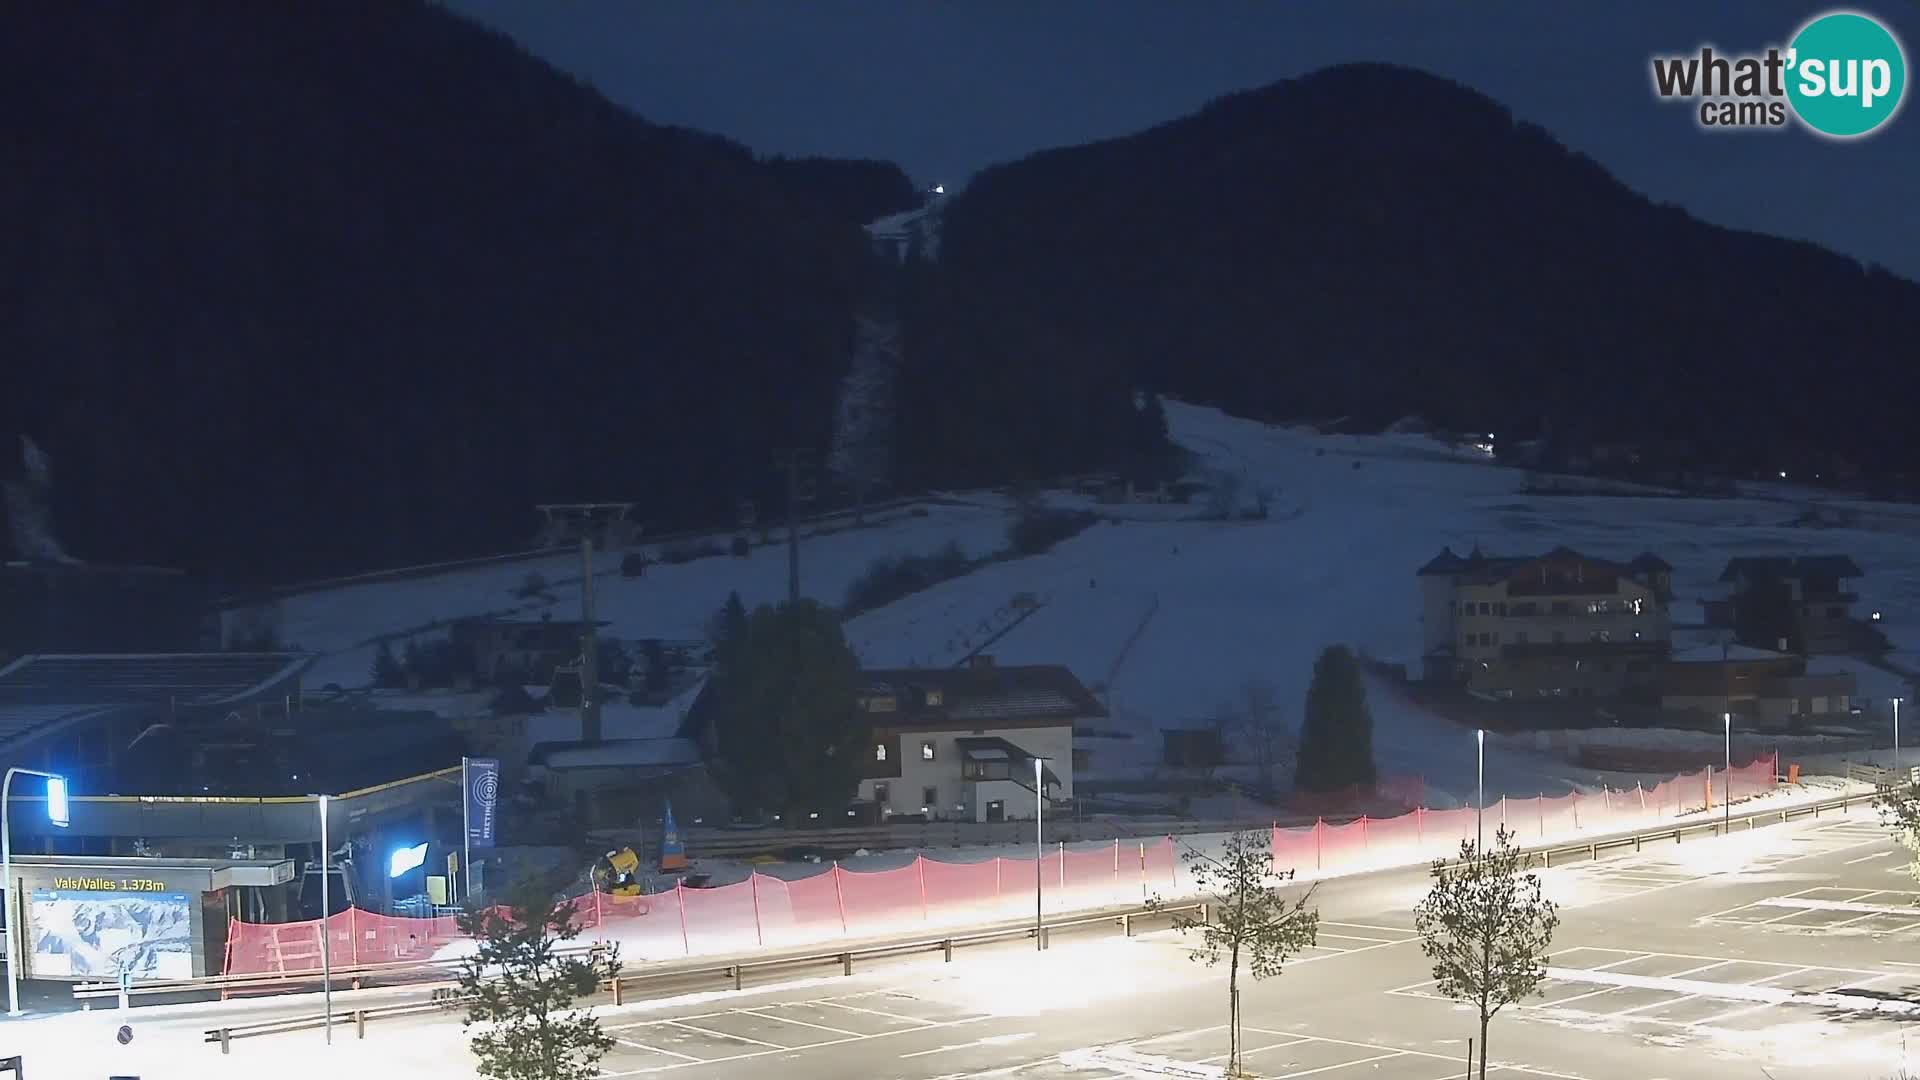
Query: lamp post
57,814
1726,781
1039,848
1896,735
1480,799
326,928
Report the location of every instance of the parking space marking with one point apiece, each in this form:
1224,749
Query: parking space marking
758,1048
1342,1065
1492,1067
1826,992
1803,911
876,1012
1811,904
762,1011
658,1050
1377,938
1295,1041
1867,858
727,1035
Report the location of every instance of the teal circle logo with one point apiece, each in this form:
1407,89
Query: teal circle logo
1847,74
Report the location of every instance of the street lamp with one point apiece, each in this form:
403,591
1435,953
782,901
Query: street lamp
1039,848
1726,781
1480,800
326,928
57,814
1896,735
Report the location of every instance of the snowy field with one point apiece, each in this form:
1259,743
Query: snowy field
1170,617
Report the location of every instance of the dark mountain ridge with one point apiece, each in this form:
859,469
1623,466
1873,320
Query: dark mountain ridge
291,291
1373,241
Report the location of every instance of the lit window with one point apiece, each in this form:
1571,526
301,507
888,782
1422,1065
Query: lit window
879,751
926,751
936,698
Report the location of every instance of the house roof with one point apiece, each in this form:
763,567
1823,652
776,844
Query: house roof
1785,566
1482,568
616,754
41,692
985,748
1714,654
979,695
506,623
129,678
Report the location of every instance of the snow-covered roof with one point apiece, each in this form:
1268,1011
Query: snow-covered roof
619,754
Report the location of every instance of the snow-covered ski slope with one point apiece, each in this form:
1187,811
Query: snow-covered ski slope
1172,616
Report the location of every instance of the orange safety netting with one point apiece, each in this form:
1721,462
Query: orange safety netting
765,911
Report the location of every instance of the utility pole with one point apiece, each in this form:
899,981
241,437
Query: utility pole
795,463
589,650
563,522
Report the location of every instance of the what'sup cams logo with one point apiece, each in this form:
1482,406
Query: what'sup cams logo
1843,75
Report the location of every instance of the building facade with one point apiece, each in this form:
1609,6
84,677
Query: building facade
1759,688
1817,606
961,744
1561,624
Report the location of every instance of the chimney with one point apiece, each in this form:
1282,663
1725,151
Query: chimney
981,661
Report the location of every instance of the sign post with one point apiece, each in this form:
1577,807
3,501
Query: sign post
673,853
16,911
480,787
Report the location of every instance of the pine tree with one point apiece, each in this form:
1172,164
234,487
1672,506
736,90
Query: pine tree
520,990
783,708
728,631
1336,736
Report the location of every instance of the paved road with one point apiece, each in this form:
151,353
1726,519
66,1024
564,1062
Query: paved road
1703,960
1791,948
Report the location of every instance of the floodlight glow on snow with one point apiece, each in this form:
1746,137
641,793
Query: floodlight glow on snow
57,811
405,859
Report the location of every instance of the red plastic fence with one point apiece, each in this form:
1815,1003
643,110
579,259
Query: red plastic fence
1328,849
762,911
766,911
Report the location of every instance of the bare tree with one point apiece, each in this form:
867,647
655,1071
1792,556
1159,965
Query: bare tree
1486,926
1247,919
1898,800
1262,730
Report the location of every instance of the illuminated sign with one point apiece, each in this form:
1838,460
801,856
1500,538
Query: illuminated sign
57,801
102,884
405,859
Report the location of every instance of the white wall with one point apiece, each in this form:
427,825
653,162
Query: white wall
956,798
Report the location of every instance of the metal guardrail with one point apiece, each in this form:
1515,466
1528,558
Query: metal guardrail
357,1017
1711,825
734,971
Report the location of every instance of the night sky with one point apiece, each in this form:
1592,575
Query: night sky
946,89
